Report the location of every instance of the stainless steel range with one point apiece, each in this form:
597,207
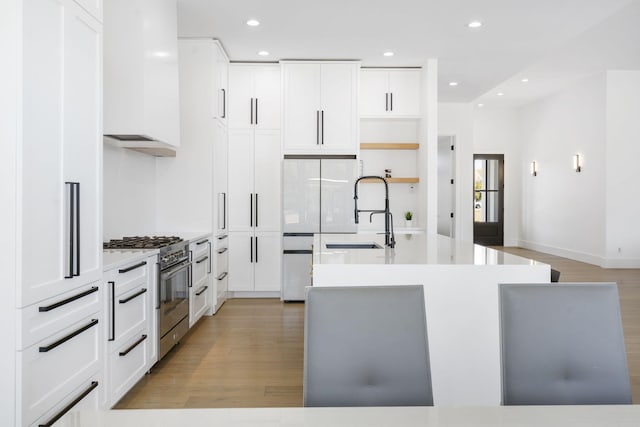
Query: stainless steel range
174,281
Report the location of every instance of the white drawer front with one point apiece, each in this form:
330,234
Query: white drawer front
45,318
200,248
127,365
135,272
199,302
55,366
86,397
222,260
127,312
201,268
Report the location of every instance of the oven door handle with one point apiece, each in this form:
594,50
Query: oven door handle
165,275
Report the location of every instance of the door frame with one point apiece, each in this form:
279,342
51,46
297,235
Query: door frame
479,237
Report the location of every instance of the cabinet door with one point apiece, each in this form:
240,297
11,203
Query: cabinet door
221,193
240,95
339,109
267,181
301,108
241,166
222,85
61,140
268,261
241,261
374,92
405,87
267,97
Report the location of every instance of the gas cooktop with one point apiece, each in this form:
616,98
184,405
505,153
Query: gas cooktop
141,242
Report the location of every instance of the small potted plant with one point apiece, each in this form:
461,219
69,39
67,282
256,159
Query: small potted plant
408,216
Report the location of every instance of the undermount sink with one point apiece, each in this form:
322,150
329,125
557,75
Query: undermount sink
354,245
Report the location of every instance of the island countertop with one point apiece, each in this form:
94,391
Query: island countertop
422,249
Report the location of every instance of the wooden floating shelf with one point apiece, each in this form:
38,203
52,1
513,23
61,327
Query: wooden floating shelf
394,180
389,146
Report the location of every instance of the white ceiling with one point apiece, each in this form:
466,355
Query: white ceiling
544,39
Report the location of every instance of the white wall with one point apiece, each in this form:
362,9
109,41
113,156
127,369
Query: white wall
622,246
457,120
496,131
129,193
563,212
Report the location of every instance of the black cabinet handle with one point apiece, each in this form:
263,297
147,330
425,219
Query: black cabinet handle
202,242
297,251
133,267
201,291
224,103
137,294
66,338
158,285
250,209
113,311
223,250
134,345
317,127
391,103
322,120
256,249
256,210
210,267
68,300
251,249
251,108
222,237
386,101
203,259
74,230
73,403
222,276
256,110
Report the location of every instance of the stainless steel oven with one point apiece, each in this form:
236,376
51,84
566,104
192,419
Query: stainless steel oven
173,296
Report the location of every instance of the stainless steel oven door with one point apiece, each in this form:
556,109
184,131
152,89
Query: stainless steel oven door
174,295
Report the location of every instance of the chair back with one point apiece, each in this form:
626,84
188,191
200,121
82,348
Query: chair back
562,344
366,346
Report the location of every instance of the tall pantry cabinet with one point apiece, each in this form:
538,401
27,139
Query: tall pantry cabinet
254,178
56,141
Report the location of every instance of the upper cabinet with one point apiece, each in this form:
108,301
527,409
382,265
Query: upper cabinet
221,82
320,107
141,72
254,96
390,92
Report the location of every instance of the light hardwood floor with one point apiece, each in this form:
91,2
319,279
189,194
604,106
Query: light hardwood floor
250,354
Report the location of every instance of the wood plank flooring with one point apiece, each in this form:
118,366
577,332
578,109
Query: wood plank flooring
250,354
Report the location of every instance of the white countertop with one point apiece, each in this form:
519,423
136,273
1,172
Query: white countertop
113,258
522,416
424,249
191,236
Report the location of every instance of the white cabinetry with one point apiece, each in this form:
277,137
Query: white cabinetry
254,92
390,92
255,261
320,107
141,70
201,288
53,162
221,271
130,292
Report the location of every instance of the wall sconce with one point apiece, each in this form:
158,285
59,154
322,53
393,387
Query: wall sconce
576,163
534,168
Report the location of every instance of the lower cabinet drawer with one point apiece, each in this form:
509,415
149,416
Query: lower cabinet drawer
127,365
199,301
86,397
201,267
56,366
127,312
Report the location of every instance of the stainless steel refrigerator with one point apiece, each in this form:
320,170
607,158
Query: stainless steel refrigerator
317,198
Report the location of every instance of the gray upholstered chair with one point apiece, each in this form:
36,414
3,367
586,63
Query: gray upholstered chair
366,346
562,344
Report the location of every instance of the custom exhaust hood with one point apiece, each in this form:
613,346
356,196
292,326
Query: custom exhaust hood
141,103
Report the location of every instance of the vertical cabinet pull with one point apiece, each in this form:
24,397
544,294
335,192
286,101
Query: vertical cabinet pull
73,232
322,121
256,249
209,244
158,286
73,403
224,103
256,110
256,212
222,211
251,110
391,101
386,101
112,336
317,127
250,209
251,249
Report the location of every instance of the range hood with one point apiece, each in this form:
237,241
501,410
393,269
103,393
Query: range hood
141,104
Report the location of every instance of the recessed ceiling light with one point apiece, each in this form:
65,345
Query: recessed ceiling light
474,24
500,94
480,105
263,53
453,83
388,53
253,22
524,80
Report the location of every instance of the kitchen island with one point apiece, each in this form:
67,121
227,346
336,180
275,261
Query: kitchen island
460,282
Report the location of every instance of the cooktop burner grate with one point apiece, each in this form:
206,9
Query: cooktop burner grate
141,242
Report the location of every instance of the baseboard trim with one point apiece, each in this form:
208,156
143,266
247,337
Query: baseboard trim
565,253
253,294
